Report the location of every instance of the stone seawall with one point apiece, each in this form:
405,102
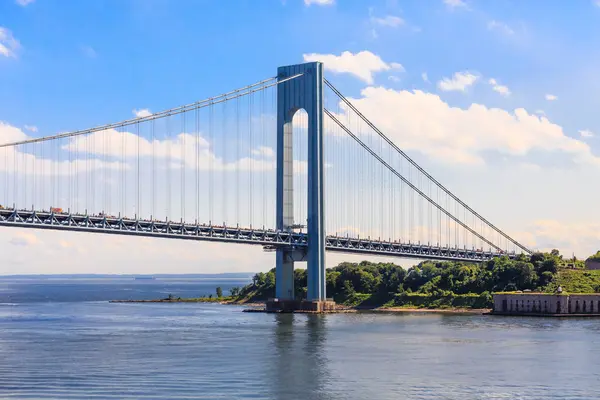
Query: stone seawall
546,304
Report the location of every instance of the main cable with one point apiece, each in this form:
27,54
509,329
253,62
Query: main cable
410,184
368,122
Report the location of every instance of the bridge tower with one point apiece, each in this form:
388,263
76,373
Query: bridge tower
304,92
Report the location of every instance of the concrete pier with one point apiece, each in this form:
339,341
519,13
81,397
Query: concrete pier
301,306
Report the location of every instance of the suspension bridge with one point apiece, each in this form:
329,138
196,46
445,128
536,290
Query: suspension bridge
288,163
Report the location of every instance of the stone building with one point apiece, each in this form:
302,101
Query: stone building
546,304
592,264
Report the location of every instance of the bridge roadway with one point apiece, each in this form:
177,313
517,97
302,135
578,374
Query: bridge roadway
268,238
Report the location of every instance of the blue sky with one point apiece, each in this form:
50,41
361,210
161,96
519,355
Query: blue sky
66,65
99,59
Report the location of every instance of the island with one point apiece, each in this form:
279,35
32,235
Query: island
438,286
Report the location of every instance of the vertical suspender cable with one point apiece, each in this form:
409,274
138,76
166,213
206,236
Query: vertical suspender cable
138,205
168,173
183,166
197,160
153,170
237,160
212,155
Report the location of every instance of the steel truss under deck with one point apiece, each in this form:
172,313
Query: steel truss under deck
268,238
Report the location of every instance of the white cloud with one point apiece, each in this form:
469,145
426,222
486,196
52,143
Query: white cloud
460,81
586,133
503,90
551,97
8,44
394,78
389,20
500,27
597,3
89,52
540,112
374,34
319,2
579,237
167,148
263,151
24,3
455,135
425,77
9,133
142,112
362,65
31,128
25,160
455,4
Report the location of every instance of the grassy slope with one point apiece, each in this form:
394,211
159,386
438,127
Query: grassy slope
576,281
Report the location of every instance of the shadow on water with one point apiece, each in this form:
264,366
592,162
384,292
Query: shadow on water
300,362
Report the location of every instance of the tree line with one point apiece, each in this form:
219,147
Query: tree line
387,282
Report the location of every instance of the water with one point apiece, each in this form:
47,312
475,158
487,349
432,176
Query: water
54,346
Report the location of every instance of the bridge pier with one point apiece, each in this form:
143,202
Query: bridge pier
284,276
303,92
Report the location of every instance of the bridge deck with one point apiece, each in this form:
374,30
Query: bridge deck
265,237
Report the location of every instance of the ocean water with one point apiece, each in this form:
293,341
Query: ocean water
63,340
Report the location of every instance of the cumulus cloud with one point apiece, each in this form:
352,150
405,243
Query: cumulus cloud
8,44
143,112
179,148
551,97
425,77
31,128
389,20
501,27
455,4
586,133
319,2
583,238
460,81
448,134
9,133
263,151
362,64
503,90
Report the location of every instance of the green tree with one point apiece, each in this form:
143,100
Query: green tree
219,292
259,279
332,281
270,279
348,289
595,257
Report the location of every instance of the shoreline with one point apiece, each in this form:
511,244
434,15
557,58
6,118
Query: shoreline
256,306
479,311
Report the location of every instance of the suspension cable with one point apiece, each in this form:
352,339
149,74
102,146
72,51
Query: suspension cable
410,184
448,192
245,91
